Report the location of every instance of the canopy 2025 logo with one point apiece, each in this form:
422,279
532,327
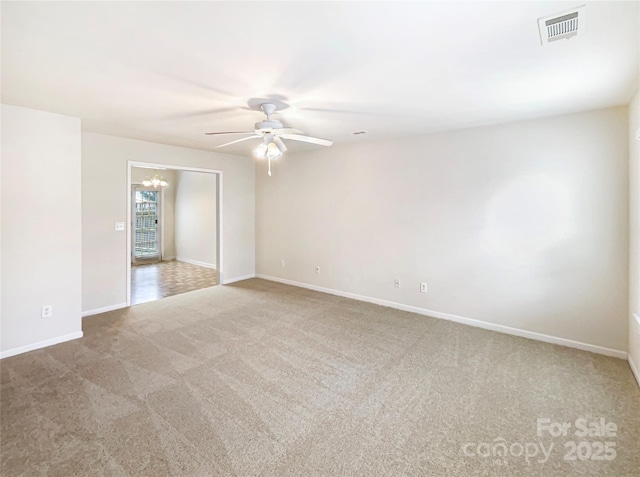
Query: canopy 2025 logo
590,440
583,428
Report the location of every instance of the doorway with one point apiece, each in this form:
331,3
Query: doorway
174,231
147,224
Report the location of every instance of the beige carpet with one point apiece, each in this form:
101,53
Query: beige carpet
265,379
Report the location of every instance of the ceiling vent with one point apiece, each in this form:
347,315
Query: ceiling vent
562,26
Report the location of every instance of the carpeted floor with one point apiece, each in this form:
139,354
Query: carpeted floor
260,378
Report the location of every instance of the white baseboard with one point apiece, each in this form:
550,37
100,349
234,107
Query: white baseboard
104,309
196,262
40,344
228,281
459,319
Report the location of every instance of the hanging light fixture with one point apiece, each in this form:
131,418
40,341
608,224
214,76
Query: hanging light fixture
270,149
155,181
261,151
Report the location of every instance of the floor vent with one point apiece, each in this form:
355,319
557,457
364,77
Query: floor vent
562,26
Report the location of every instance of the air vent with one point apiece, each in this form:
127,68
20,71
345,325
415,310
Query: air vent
562,26
359,132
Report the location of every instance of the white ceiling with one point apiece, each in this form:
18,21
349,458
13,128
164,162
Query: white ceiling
170,71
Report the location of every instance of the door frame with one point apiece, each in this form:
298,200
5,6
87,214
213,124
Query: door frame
218,212
159,223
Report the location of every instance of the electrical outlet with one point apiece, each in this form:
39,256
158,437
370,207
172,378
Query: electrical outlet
317,269
396,282
46,311
282,263
423,287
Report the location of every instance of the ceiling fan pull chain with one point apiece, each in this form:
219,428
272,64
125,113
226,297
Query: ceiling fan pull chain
269,167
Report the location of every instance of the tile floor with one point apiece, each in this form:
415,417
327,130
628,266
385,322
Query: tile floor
158,280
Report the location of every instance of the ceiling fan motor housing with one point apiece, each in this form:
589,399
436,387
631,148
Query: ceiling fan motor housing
272,131
268,125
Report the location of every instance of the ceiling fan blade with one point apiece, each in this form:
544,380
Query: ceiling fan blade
238,140
312,140
228,133
280,143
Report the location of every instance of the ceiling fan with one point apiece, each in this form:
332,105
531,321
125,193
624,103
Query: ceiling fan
272,132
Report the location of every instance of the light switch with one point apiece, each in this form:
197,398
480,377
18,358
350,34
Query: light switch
119,225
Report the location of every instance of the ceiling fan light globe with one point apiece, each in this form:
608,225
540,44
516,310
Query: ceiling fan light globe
261,151
272,151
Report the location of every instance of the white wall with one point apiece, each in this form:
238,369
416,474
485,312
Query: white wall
104,201
524,225
634,268
169,216
167,211
40,229
195,217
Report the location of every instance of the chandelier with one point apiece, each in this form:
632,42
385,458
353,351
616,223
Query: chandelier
155,181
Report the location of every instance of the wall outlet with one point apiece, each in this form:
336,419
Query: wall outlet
317,269
423,287
396,282
282,263
46,311
119,226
